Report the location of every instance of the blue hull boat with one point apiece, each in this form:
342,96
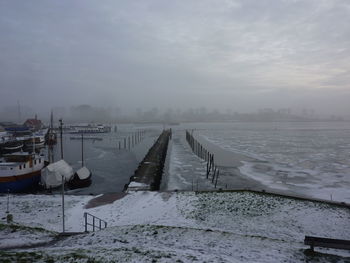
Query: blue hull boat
18,184
20,172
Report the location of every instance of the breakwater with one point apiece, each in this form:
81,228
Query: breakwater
149,173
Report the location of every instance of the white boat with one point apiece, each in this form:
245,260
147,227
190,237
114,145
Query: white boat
51,175
91,128
20,172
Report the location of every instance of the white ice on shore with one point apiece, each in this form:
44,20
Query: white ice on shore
300,158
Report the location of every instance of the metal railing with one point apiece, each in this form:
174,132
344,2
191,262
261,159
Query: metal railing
96,223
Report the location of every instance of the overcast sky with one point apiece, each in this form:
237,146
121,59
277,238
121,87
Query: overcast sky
243,55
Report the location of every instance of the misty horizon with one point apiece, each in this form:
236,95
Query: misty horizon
239,56
91,114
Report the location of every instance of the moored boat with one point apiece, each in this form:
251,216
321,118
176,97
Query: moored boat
20,172
90,128
80,179
11,146
51,176
37,142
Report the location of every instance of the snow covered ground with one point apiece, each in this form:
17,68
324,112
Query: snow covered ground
182,227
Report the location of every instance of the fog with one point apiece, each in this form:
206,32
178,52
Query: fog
128,58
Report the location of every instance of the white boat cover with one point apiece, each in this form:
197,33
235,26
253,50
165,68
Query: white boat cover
83,173
51,175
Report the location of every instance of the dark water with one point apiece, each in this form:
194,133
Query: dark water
111,167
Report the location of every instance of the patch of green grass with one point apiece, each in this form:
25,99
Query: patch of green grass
17,227
29,257
22,257
315,256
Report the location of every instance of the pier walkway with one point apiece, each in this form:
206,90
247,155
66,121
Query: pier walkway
149,173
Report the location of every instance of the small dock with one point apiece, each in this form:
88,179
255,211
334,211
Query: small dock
149,172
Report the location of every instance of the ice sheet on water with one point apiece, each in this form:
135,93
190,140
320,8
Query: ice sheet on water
309,154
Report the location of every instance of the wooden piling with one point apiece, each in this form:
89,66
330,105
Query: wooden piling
207,170
212,179
217,176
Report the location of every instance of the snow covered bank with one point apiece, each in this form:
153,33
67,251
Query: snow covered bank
21,236
170,226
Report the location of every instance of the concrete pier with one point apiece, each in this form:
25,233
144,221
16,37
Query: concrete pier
149,172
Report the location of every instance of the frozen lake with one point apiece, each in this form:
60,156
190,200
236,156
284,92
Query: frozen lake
308,158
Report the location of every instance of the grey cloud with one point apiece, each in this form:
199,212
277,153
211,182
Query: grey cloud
165,53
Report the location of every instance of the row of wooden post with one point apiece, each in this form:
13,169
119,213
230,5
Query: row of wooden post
132,140
204,154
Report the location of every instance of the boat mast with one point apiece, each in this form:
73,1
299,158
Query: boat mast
33,139
19,111
50,139
61,127
82,149
51,121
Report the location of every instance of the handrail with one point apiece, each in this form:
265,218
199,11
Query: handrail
94,218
